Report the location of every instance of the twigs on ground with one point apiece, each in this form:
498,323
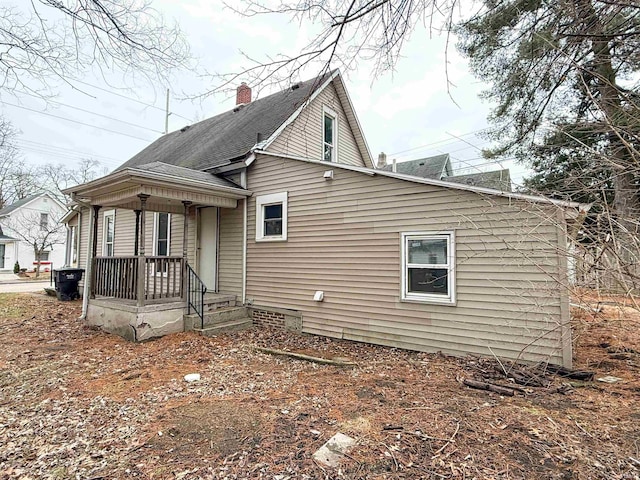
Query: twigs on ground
449,442
308,358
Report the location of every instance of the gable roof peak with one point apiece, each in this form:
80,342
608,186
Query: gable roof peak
230,135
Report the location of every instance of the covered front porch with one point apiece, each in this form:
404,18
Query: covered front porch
154,234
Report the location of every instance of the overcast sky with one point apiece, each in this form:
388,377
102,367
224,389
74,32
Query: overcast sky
408,113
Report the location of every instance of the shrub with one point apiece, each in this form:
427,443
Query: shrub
16,268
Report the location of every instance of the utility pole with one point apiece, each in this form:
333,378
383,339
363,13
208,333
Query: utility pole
166,117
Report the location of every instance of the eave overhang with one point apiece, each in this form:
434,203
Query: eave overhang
166,192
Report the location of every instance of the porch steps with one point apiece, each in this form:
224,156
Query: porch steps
220,320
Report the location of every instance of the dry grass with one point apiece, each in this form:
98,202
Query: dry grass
78,403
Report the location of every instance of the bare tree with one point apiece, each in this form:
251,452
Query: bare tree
374,31
55,177
8,155
38,230
17,180
46,41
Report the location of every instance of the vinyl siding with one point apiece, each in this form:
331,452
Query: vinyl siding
304,136
344,239
124,234
83,247
125,228
230,250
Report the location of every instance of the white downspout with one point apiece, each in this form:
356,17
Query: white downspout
243,182
87,269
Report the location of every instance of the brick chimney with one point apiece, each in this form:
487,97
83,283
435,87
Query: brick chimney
243,94
382,160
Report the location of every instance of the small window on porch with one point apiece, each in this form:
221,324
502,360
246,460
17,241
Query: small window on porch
162,234
74,245
108,236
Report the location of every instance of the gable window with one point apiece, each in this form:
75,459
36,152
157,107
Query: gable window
161,234
428,267
44,221
271,217
329,135
108,229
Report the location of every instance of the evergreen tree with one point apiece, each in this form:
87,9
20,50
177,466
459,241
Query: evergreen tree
564,75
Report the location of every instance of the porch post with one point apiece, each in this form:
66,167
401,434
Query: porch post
136,242
142,270
185,239
94,249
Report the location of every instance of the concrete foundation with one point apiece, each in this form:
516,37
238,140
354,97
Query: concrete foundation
136,323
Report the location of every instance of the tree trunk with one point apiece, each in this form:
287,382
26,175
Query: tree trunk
617,115
38,253
609,100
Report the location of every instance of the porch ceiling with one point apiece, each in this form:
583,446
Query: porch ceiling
166,191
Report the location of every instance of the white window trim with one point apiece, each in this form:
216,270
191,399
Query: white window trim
105,215
426,297
156,216
266,200
336,132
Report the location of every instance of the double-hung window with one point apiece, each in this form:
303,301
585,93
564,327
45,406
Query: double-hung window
271,217
44,221
162,233
428,267
108,235
161,239
329,135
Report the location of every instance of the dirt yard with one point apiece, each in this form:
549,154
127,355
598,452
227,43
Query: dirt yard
78,403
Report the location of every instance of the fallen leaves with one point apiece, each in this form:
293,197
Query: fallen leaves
78,403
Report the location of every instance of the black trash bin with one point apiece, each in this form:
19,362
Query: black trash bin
66,282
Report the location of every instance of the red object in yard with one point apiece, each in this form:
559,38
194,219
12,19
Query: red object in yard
44,264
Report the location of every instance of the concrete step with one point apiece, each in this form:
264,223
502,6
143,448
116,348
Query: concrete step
215,317
225,327
214,301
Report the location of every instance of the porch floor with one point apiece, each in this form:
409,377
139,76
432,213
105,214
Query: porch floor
210,297
148,302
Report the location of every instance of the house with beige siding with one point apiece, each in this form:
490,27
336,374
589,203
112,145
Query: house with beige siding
273,213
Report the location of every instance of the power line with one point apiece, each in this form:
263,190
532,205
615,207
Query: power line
98,114
444,141
73,121
67,155
34,144
469,145
132,99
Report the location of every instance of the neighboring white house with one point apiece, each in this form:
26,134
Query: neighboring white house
32,219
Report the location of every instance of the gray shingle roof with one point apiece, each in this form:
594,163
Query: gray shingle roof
497,179
430,167
3,236
228,136
185,173
15,205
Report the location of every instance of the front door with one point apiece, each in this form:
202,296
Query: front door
2,252
208,246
